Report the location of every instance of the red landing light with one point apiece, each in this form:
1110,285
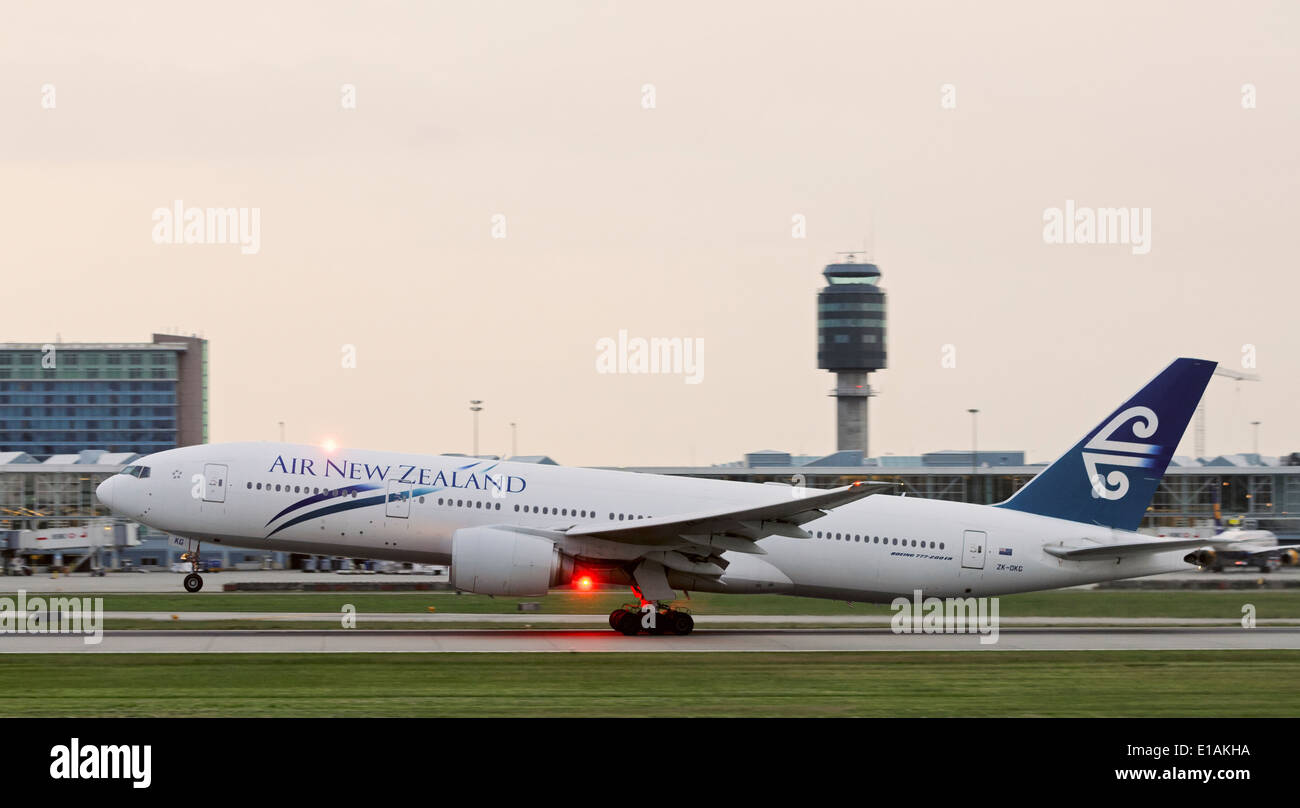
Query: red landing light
584,583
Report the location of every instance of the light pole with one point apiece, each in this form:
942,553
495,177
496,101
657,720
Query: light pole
1256,425
282,431
514,439
476,409
974,447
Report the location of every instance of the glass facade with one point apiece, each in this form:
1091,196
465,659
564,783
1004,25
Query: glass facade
65,400
39,498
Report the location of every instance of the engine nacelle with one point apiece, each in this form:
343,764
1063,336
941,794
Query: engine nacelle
1288,558
494,561
1201,558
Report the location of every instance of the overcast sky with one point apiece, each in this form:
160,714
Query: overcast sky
663,211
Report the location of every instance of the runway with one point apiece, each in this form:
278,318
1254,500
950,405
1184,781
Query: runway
605,641
164,581
467,619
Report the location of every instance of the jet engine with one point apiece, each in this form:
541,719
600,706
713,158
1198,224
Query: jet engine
1203,558
495,561
1288,558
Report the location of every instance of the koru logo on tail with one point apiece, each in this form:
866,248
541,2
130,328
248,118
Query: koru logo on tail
1103,450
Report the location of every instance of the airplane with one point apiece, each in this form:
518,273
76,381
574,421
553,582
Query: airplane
519,529
1236,547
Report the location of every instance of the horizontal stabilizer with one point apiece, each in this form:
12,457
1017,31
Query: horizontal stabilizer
1093,552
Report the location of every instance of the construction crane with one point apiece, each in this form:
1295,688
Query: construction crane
1238,375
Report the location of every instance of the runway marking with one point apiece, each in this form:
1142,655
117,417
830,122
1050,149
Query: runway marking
700,620
605,641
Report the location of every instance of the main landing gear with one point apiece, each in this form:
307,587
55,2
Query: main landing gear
652,618
193,581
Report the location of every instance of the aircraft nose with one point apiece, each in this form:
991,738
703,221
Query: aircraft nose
104,492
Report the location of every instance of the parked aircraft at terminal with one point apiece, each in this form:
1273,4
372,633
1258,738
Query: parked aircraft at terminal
519,529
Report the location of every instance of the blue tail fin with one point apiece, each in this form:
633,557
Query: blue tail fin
1110,476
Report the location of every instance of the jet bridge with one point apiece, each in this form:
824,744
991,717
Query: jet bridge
90,539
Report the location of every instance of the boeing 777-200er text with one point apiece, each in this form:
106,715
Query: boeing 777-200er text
520,529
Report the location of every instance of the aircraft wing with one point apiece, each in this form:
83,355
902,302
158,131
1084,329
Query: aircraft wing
733,529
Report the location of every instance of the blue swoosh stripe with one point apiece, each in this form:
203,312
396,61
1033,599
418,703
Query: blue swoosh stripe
342,506
338,492
345,506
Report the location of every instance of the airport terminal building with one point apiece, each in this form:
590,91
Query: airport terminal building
72,414
60,398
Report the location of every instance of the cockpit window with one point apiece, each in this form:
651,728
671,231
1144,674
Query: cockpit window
136,471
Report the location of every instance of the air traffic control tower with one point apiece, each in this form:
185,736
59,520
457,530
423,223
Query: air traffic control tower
851,344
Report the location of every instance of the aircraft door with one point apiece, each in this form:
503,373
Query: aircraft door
398,502
214,477
973,548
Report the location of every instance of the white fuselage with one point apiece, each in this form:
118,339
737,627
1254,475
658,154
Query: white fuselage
405,507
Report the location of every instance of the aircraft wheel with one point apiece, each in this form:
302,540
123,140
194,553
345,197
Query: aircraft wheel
615,616
193,582
682,623
630,624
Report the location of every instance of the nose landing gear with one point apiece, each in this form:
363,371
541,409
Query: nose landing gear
193,581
